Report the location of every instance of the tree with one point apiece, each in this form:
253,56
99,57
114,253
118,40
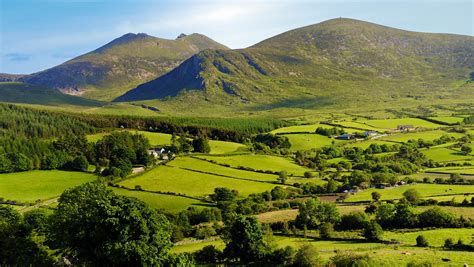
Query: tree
282,177
354,220
80,163
201,145
208,254
313,213
326,230
223,194
16,245
278,193
376,196
436,217
99,227
421,241
349,260
307,256
244,239
373,231
465,149
411,195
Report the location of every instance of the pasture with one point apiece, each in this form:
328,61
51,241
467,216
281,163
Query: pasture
447,119
177,180
261,162
426,135
444,154
162,202
31,186
208,167
389,124
425,190
309,141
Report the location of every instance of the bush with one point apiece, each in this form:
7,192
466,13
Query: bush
421,241
326,230
307,256
353,220
448,243
436,217
373,231
308,175
208,254
349,260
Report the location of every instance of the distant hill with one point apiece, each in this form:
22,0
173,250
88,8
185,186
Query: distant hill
15,92
333,62
120,65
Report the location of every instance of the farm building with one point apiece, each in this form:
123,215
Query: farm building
158,152
370,133
345,137
405,127
382,185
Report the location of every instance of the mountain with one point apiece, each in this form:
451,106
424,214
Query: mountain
120,65
333,62
16,92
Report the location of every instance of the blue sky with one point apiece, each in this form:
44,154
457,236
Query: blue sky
39,34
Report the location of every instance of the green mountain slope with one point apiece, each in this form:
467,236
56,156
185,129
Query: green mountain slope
120,65
15,92
326,64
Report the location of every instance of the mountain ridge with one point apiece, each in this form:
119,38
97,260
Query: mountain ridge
313,59
120,65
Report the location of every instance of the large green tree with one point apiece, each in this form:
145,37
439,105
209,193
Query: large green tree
244,239
101,228
313,213
17,247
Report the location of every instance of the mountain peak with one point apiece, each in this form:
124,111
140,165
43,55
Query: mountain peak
126,38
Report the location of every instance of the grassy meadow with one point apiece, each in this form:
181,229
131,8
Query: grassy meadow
31,186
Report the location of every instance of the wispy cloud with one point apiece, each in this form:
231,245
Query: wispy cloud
17,56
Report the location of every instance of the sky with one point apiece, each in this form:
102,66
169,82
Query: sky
39,34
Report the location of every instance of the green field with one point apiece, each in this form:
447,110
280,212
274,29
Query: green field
208,167
39,185
367,143
426,135
309,141
448,119
435,237
261,162
462,170
358,125
425,190
393,123
444,154
160,201
380,254
221,147
173,179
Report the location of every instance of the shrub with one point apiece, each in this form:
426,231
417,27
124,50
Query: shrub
326,230
353,220
307,256
308,175
448,243
436,217
208,254
349,260
421,241
373,231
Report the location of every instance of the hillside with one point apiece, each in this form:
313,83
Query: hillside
15,92
325,64
120,65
